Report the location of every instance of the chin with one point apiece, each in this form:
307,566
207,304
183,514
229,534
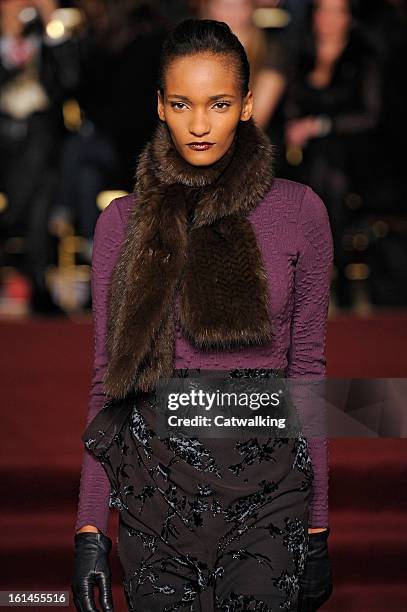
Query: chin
201,158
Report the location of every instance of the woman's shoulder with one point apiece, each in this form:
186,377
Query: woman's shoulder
110,229
285,188
117,211
294,208
293,199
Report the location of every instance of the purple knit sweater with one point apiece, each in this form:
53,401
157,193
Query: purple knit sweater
293,233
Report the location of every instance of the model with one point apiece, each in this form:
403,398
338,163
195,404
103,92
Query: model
212,265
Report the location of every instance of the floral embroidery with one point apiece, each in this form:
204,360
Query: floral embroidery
170,490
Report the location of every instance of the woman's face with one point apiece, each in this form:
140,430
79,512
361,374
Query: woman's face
331,17
203,102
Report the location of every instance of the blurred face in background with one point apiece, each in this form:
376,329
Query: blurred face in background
203,102
236,13
331,17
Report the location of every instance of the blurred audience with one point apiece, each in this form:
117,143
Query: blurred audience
329,89
332,108
36,72
115,94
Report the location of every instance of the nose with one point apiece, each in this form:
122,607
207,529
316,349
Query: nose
199,125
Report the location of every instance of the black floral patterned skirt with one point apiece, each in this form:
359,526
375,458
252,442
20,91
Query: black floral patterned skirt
205,524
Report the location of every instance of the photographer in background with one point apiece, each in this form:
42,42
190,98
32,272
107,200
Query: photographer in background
38,69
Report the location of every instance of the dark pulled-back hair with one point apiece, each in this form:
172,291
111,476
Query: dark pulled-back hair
193,36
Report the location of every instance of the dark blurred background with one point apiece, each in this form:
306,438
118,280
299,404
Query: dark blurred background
78,102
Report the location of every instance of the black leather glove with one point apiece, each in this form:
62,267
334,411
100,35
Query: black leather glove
91,567
316,581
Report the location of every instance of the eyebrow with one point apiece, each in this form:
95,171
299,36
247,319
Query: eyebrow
224,95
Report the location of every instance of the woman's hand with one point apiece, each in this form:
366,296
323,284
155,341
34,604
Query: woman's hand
299,131
316,582
91,567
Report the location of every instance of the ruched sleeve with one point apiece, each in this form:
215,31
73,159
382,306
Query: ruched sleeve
306,355
94,490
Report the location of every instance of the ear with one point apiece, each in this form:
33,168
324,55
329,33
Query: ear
160,106
247,108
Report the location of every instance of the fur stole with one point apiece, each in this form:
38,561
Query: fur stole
188,233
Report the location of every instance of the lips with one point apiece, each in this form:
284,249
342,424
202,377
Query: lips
200,146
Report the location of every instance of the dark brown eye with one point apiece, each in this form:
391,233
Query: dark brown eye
174,104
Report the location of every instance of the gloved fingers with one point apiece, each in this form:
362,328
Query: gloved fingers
83,598
81,606
324,597
311,604
105,592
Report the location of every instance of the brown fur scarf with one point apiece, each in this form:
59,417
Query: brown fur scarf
188,232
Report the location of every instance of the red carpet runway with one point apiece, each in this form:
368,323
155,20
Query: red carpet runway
46,369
